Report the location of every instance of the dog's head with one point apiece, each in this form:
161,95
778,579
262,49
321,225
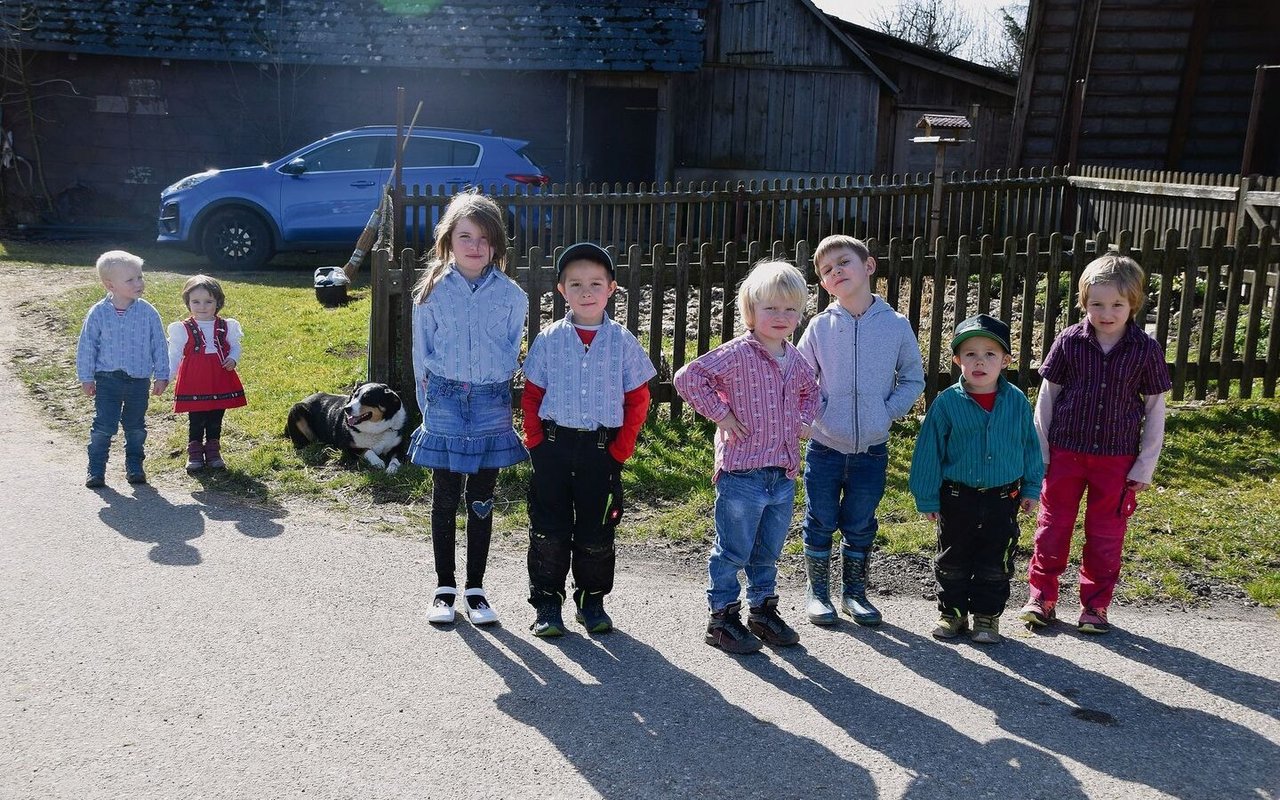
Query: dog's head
370,403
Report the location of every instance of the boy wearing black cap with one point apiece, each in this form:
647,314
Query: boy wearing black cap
585,398
976,462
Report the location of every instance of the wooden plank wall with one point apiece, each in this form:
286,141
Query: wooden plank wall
1220,336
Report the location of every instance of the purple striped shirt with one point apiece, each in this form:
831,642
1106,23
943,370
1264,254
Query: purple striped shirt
1100,410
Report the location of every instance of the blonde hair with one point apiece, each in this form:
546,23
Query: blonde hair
210,285
116,258
486,215
840,241
770,280
1121,272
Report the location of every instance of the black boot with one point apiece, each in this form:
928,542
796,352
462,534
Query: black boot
854,600
590,611
549,623
726,631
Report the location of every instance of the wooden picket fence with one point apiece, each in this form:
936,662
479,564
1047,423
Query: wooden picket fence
1213,300
995,202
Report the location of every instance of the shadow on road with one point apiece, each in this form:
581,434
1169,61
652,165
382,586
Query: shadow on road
1249,690
257,520
1103,723
945,762
646,728
147,517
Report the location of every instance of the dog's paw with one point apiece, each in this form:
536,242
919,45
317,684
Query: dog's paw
393,466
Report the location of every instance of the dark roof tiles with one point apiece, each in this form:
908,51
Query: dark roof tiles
630,35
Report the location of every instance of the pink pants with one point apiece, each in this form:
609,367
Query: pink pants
1067,477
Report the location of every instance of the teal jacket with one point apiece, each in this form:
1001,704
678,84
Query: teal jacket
960,441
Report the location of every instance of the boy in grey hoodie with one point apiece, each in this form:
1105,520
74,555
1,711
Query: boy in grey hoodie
868,364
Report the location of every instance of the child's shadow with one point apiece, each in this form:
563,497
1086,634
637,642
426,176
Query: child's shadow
1106,723
148,517
945,763
1249,690
257,520
646,728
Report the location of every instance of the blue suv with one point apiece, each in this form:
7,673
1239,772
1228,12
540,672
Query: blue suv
321,196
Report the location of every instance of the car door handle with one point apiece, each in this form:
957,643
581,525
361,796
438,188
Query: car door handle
362,184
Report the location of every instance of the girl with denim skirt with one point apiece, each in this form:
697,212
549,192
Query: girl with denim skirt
468,323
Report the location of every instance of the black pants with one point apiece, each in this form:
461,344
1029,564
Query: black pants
205,425
446,491
977,534
575,503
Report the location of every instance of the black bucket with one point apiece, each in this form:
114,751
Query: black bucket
331,286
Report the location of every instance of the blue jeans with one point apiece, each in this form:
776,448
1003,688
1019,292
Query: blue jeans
121,400
752,513
842,491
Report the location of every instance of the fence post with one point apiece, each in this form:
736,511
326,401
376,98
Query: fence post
1209,313
403,378
680,333
936,313
1030,278
378,367
1230,319
1186,309
1257,296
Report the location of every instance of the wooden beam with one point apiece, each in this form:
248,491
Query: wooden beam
1190,78
1161,189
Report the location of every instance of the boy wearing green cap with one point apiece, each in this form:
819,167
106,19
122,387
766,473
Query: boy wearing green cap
976,462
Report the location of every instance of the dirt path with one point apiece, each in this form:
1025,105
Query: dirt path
158,643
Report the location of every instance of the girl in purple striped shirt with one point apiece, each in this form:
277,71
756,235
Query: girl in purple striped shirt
1100,417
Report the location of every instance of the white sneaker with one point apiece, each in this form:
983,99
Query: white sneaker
478,610
441,611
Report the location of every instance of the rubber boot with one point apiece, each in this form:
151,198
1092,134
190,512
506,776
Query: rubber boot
213,455
818,605
195,457
854,600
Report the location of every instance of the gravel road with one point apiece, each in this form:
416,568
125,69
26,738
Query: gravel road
166,642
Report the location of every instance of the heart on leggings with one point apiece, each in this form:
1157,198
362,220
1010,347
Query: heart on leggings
482,509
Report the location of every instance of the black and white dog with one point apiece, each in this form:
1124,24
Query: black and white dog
369,423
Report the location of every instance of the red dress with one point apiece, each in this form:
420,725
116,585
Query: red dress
202,383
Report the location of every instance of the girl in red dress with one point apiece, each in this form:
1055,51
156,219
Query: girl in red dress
204,349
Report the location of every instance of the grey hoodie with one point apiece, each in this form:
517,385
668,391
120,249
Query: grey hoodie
869,370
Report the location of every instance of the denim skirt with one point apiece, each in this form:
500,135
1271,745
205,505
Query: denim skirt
466,427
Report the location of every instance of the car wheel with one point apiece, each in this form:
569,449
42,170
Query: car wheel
236,238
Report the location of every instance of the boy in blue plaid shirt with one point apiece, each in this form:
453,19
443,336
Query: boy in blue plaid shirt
121,354
585,398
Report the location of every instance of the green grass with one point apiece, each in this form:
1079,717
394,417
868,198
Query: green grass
1209,518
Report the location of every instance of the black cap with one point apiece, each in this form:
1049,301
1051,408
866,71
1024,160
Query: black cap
584,250
982,325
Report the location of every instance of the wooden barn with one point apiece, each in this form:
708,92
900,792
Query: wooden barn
109,101
1151,84
786,90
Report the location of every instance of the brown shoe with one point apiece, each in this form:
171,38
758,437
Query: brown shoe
726,631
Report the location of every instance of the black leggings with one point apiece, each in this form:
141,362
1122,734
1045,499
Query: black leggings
205,425
446,491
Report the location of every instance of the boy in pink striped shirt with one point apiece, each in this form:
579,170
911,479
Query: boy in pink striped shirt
759,391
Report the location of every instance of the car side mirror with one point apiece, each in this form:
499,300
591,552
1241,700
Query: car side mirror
295,167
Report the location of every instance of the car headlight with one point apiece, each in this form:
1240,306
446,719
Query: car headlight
191,180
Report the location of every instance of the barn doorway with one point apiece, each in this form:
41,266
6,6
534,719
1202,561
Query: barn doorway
619,135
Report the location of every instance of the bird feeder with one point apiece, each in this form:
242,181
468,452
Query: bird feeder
940,130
